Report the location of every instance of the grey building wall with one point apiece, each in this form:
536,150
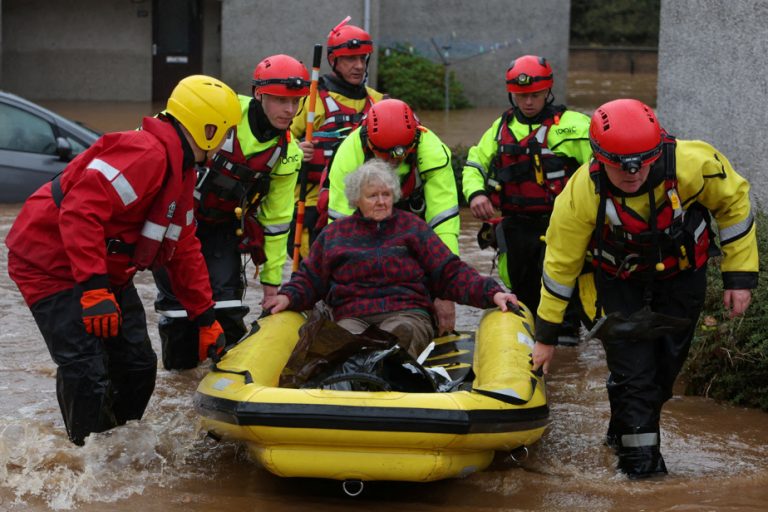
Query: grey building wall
83,49
1,41
472,28
483,35
712,82
101,49
254,30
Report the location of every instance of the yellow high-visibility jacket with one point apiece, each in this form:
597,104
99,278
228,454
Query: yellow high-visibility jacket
704,176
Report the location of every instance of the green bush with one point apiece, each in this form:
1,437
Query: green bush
729,358
615,22
417,80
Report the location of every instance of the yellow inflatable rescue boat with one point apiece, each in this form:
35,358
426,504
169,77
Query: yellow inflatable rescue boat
383,435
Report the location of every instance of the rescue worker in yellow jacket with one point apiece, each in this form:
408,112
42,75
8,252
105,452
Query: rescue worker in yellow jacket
243,206
391,132
343,98
641,211
521,163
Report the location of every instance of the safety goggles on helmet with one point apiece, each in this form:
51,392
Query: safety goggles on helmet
525,80
293,83
395,152
629,163
352,44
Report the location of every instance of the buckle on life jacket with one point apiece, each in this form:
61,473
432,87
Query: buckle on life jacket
202,177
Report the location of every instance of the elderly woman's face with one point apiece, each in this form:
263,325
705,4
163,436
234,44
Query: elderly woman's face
375,201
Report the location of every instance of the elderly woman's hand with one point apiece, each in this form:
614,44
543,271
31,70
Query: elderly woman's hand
276,303
446,316
501,299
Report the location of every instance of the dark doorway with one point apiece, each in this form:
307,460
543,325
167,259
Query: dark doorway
177,32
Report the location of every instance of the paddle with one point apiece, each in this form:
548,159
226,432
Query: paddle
316,59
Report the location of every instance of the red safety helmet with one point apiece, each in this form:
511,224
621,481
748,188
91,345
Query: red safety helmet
625,132
281,75
529,73
391,128
347,40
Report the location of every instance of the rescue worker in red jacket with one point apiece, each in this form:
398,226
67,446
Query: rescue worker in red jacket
243,206
123,205
342,99
641,211
519,166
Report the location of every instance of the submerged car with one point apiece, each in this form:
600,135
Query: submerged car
35,145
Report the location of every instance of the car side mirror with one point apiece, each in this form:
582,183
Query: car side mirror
63,149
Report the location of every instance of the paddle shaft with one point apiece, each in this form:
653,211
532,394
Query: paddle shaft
316,59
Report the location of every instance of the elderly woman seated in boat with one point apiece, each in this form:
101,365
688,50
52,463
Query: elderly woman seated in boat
383,266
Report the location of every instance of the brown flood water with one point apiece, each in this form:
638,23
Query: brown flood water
717,454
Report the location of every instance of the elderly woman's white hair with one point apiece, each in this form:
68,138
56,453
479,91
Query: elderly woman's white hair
372,172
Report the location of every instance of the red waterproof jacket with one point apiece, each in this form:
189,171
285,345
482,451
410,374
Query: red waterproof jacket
109,191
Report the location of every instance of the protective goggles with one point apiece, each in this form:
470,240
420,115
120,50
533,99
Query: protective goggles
522,79
395,152
629,163
294,83
352,44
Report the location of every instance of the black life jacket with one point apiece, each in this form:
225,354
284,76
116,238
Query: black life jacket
231,180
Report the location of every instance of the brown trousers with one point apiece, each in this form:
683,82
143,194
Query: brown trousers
413,329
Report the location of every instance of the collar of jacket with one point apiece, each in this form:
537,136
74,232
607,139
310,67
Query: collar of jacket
548,111
189,155
260,126
334,83
378,223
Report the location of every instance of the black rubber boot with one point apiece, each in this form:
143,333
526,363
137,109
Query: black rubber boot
641,462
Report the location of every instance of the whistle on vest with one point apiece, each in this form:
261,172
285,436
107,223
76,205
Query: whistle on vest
538,169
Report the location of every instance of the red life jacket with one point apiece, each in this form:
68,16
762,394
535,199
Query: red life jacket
231,180
340,120
525,175
628,246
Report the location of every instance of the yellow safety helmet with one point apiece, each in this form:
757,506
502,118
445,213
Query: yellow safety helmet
198,101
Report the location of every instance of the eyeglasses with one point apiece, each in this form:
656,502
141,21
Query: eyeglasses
290,82
523,79
629,163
